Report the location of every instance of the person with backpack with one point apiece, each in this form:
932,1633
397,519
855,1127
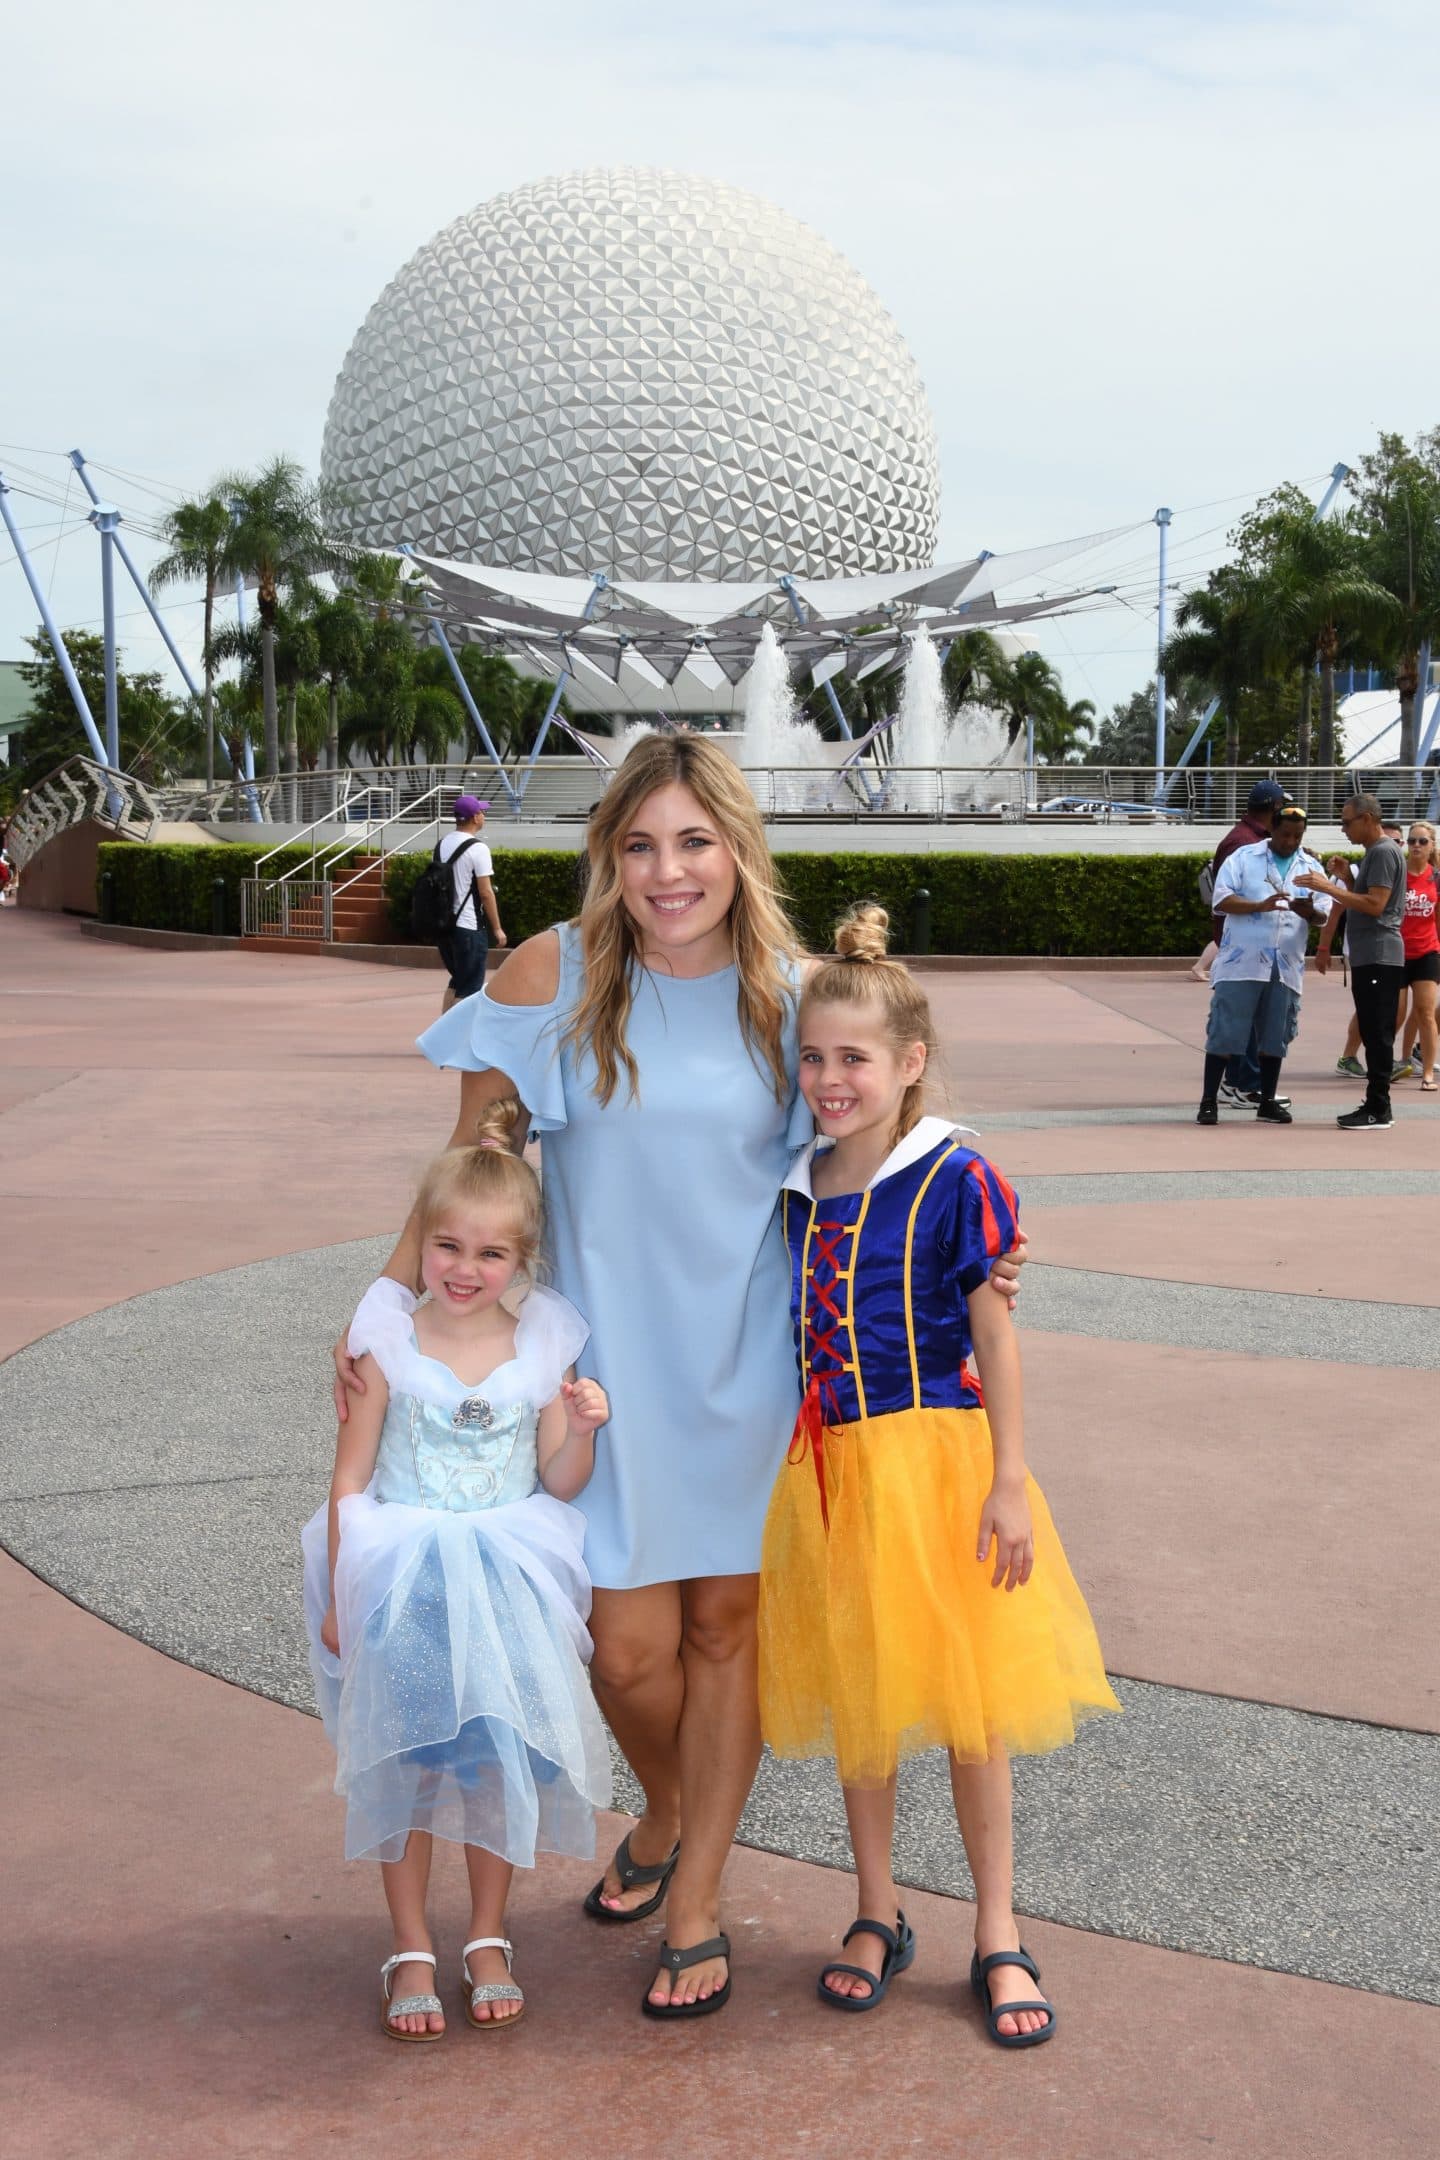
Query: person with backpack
454,903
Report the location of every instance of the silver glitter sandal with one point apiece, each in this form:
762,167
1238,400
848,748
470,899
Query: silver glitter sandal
409,2005
489,1991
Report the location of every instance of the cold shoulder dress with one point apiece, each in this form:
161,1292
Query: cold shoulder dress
661,1227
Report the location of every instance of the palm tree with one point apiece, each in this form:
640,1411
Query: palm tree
339,631
974,665
1028,689
1319,597
278,538
196,533
1219,640
1400,512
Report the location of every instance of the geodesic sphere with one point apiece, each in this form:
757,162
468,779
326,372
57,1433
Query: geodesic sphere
640,373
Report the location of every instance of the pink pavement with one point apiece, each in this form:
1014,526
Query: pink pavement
191,1967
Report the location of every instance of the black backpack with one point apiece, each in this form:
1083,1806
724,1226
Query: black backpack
432,902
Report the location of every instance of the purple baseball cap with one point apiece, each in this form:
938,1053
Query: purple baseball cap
468,806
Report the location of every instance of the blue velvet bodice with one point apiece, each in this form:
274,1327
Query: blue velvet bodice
481,1456
879,1281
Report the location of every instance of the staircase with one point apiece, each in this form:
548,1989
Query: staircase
318,914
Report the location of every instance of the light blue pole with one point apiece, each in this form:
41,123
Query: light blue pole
598,585
467,699
787,586
105,517
57,643
240,623
1422,691
1162,519
1339,474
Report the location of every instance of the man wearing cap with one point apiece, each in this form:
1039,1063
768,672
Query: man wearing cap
1374,908
1241,1085
1259,971
464,947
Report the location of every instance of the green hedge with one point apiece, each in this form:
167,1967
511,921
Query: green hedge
1023,904
169,887
1045,904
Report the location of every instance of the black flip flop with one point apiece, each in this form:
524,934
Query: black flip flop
633,1876
675,1961
980,1971
899,1944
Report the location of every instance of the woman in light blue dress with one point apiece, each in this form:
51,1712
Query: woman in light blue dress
652,1043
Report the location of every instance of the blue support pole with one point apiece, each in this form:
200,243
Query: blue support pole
1339,474
57,643
787,586
467,699
1162,519
599,584
105,517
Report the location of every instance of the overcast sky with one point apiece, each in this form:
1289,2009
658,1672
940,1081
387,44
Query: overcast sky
1169,253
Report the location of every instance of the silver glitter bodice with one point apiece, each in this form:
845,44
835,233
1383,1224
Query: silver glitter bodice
481,1456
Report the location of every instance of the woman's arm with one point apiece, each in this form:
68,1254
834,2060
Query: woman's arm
1005,1518
566,1439
356,1446
530,976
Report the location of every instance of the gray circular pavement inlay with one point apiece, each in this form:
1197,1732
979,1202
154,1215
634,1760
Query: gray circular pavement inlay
159,1458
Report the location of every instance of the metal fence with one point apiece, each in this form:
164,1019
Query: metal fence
298,908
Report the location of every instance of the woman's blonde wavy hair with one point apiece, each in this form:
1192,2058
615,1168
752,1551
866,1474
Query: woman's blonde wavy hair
760,929
862,973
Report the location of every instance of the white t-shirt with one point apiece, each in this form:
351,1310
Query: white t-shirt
474,863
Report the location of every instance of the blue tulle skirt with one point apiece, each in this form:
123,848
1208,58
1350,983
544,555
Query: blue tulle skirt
460,1702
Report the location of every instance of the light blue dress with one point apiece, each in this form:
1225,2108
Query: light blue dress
662,1228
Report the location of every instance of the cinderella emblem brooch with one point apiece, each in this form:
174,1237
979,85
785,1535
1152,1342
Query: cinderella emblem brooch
473,1415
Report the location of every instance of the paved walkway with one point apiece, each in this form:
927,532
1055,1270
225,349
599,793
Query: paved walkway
1235,1884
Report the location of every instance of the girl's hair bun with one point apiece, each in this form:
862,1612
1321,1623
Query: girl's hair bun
496,1123
863,934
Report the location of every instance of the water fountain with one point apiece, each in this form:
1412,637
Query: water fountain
774,735
920,737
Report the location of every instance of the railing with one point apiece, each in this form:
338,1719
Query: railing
74,792
294,907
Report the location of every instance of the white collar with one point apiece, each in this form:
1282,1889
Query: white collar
918,1141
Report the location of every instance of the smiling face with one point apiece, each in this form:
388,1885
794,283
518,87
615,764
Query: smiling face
678,880
469,1257
851,1074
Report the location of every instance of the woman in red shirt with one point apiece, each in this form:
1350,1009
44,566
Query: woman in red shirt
1418,927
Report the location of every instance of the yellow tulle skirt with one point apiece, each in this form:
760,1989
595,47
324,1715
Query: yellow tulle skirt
883,1636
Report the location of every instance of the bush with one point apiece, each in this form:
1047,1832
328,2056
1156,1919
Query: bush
169,887
1050,905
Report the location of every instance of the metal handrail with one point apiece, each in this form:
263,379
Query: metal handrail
407,816
69,794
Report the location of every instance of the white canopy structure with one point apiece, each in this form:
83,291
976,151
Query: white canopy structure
638,648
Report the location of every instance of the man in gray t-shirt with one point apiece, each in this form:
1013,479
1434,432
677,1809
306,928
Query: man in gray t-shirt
1373,908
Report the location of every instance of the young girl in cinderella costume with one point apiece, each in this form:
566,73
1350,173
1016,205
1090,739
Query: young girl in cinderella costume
913,1593
445,1592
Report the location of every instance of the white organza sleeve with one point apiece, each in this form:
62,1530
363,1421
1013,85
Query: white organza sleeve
549,1336
382,1326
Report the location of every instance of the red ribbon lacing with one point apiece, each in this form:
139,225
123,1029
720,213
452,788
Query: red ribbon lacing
819,1414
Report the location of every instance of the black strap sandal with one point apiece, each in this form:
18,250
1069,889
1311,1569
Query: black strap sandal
980,1971
899,1944
633,1876
676,1961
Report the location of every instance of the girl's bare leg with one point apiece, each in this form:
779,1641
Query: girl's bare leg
719,1755
490,1878
406,1882
639,1683
870,1812
1423,1015
983,1811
